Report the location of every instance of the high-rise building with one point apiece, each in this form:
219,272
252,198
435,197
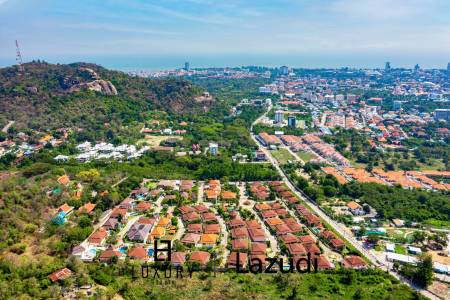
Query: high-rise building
278,116
448,67
387,66
284,70
416,68
292,121
442,114
186,66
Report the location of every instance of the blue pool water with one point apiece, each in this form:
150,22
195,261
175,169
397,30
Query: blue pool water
123,250
150,252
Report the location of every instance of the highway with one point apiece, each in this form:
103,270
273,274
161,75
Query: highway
317,210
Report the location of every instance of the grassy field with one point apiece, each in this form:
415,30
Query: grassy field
282,155
334,285
400,249
155,140
305,156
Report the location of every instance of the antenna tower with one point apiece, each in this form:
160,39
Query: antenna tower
19,57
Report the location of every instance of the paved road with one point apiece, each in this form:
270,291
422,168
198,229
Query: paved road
158,203
274,247
181,230
224,237
201,186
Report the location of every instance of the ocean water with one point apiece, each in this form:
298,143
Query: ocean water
153,62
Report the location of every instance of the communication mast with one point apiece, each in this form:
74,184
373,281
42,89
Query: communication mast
19,57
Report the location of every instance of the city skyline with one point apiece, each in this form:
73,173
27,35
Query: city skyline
295,33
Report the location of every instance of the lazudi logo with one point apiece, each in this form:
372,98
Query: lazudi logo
274,265
255,265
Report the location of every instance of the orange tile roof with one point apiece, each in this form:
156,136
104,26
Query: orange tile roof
60,275
64,180
87,208
65,208
163,222
228,195
274,221
158,232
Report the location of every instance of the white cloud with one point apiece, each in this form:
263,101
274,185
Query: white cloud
117,28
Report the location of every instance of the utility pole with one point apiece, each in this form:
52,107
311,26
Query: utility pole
19,57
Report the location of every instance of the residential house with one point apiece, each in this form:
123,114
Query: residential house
145,220
211,228
296,249
282,229
236,223
258,248
139,232
60,275
127,203
289,238
111,224
354,262
178,258
200,257
64,180
157,233
120,214
253,224
355,208
228,196
257,235
138,253
208,240
233,258
191,217
98,238
337,244
209,217
88,208
306,239
195,228
65,208
109,254
143,206
239,245
191,239
239,233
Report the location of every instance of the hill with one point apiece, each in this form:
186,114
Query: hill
46,96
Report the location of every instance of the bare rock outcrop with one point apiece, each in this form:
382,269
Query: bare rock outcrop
101,86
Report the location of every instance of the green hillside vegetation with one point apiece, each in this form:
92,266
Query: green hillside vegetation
29,279
45,97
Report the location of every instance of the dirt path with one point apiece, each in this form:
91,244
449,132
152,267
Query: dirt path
7,126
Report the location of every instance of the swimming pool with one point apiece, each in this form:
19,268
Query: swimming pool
150,252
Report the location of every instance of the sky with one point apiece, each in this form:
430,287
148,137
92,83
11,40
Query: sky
140,34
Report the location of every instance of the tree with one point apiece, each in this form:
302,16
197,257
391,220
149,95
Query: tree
302,183
329,191
419,236
440,238
424,271
89,175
